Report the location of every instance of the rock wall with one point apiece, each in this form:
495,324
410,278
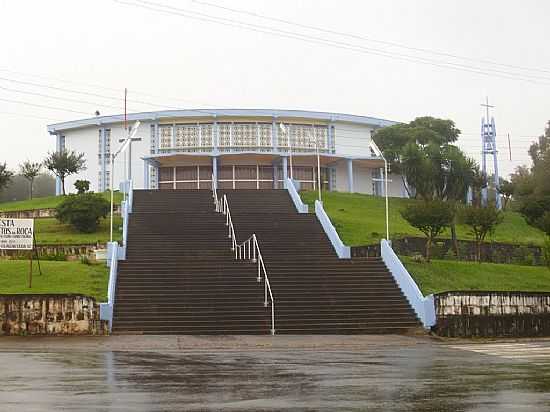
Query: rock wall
46,252
492,314
34,314
490,251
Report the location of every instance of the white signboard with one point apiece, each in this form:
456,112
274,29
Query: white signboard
16,233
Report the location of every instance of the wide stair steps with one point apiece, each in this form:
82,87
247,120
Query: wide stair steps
180,276
314,291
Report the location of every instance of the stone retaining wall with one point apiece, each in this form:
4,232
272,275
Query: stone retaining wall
490,251
492,314
45,251
37,314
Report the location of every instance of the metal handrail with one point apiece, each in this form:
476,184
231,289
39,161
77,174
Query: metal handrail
249,249
215,195
229,223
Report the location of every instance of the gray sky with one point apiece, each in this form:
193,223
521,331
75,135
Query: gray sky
99,47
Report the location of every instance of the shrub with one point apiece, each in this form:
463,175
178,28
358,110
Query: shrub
431,218
83,211
82,186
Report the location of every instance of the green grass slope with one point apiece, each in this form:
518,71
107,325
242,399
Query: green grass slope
446,275
57,277
360,220
48,202
49,231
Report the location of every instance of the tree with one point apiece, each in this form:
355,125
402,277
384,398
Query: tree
65,163
82,186
431,218
506,189
5,176
83,211
30,170
482,221
404,145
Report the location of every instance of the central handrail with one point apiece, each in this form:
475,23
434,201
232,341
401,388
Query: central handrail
249,249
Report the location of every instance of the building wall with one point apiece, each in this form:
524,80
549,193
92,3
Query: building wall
87,141
84,141
352,139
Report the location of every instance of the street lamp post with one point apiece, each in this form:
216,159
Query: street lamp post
124,145
378,153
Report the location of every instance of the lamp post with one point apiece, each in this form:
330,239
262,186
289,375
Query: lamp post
378,153
124,145
318,161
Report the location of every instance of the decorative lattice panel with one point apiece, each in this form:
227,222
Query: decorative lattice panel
206,134
187,136
153,139
282,136
224,130
165,137
305,137
107,142
321,135
265,130
245,134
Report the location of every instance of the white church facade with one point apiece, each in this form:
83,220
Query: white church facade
239,148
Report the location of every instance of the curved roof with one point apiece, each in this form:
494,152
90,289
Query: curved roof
214,113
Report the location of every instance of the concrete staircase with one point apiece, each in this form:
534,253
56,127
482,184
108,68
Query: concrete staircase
314,291
180,276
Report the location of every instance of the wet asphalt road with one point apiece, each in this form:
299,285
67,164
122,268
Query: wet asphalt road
399,375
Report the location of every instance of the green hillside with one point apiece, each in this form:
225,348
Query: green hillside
447,275
360,220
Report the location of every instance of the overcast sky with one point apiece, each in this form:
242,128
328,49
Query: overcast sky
167,59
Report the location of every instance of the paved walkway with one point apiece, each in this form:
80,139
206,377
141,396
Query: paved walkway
261,373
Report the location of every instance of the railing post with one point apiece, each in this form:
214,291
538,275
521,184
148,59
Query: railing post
265,294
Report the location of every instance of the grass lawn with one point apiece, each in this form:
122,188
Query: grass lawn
57,277
445,275
360,220
45,202
49,231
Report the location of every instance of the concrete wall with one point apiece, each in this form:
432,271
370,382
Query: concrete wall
492,314
50,315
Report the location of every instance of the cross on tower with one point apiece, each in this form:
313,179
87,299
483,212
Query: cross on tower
489,147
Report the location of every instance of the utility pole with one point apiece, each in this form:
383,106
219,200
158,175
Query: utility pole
489,147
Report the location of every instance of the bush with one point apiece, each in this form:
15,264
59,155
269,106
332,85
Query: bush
82,186
482,221
83,211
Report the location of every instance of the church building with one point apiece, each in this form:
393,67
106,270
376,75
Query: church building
238,148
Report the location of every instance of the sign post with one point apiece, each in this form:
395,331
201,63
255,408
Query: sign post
18,234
